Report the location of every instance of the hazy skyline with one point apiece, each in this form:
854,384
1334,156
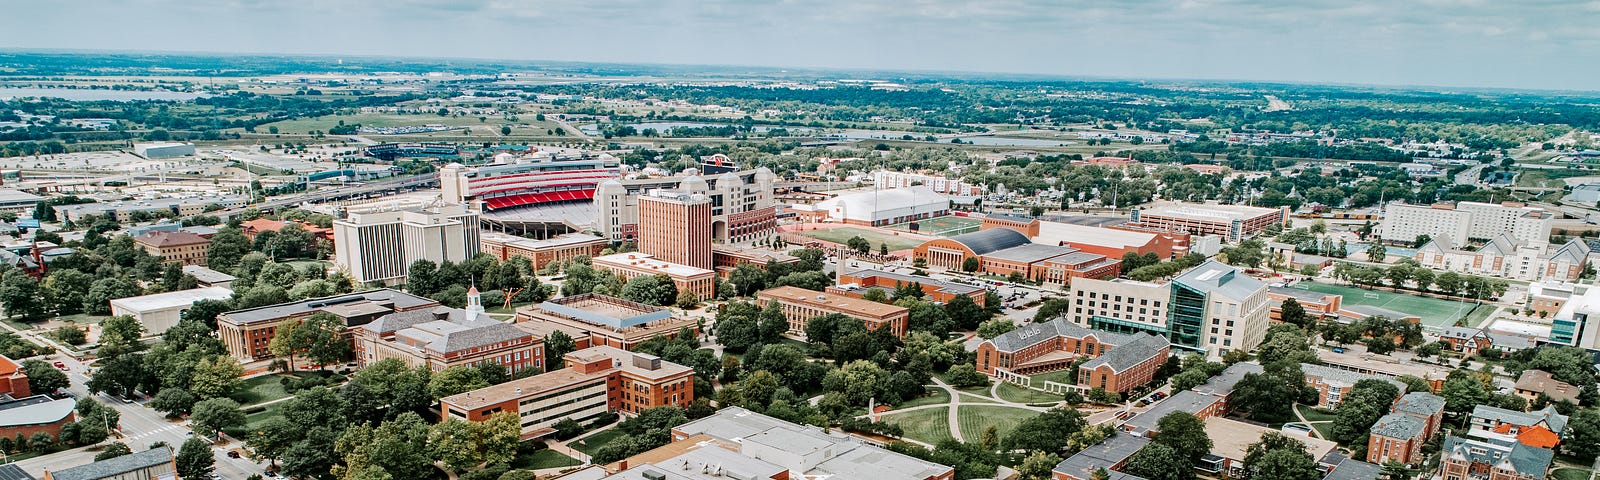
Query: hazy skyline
1543,44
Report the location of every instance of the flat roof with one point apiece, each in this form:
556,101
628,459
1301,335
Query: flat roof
12,196
1056,233
830,301
1030,253
34,410
116,466
531,244
645,261
162,301
1230,438
400,300
518,388
1209,212
207,275
605,311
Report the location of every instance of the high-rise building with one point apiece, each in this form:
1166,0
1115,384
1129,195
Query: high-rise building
741,203
675,226
379,245
1217,308
1455,224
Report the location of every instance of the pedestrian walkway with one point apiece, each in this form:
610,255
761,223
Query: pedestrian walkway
147,433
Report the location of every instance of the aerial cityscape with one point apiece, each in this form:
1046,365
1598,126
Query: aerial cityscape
941,240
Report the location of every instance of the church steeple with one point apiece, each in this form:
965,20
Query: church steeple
474,302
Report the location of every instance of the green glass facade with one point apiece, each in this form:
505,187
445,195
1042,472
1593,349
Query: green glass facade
1186,315
1117,325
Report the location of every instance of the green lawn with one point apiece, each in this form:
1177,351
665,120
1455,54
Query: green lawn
947,226
1059,376
1014,393
1480,315
929,426
260,389
255,419
1570,474
843,234
592,443
1435,312
1312,415
544,458
938,396
1324,429
974,419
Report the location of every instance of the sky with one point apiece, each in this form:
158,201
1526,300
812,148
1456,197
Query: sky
1539,44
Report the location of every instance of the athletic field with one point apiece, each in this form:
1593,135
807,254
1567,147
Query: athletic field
1434,312
843,234
946,226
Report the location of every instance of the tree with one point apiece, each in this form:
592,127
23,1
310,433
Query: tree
1294,313
114,450
272,438
860,245
1584,434
970,265
1278,457
194,459
1268,396
1462,392
215,377
688,300
120,335
454,380
965,312
1038,465
1376,252
1047,432
19,294
173,401
1360,408
966,375
556,348
651,290
226,248
44,377
996,327
1185,433
214,415
1159,462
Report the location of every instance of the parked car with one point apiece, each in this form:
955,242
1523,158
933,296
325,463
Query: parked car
60,365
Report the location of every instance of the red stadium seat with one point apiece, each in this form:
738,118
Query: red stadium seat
510,201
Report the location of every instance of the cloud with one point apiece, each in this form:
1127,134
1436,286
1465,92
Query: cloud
1525,43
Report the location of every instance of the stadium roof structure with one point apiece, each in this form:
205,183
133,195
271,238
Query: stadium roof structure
983,242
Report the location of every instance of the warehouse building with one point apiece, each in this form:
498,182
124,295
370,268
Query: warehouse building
159,312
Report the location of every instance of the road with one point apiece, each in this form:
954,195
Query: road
140,428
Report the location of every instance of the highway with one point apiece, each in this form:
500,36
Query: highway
333,193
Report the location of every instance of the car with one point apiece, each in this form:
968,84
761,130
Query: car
234,453
60,365
1338,350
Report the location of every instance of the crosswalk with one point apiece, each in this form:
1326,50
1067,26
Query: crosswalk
157,431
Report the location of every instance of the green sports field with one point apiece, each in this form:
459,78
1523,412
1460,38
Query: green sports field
843,234
1434,312
946,226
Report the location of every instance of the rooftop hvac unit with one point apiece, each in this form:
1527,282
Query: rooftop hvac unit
654,475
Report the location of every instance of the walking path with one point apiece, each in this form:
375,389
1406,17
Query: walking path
953,407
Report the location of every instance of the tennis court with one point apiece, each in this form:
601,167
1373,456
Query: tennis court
946,226
1434,312
843,234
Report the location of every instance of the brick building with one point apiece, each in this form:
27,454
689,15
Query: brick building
39,413
1333,384
676,227
1057,344
596,380
13,381
702,282
247,332
1233,222
1002,251
443,337
1468,459
180,247
856,284
558,249
800,306
596,320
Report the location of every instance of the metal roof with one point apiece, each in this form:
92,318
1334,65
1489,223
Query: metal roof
34,410
180,298
1215,277
983,242
116,466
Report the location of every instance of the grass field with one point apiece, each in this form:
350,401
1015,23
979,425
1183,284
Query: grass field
938,397
946,226
259,389
1312,415
254,420
976,418
1570,474
544,458
1060,376
843,234
929,425
1014,393
593,442
1434,312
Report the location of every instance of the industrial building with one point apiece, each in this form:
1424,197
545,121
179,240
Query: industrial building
380,245
157,150
17,201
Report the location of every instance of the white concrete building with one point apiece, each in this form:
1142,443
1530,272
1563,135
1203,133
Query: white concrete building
741,203
156,150
884,180
380,245
159,312
883,207
1218,308
1119,305
1402,223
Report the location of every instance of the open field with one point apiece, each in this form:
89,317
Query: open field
525,124
544,458
1570,474
264,388
1434,312
938,397
843,234
928,425
946,226
1014,393
976,418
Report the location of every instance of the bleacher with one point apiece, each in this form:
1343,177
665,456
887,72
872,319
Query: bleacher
511,201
